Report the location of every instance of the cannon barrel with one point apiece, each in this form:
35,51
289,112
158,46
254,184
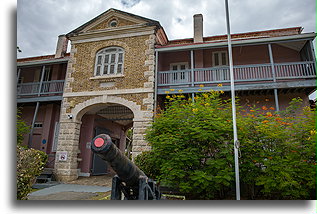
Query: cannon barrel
125,169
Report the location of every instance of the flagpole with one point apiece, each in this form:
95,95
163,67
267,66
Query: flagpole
233,102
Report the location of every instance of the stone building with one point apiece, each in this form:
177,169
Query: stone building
118,70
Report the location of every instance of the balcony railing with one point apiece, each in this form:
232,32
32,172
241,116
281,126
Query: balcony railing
38,88
242,73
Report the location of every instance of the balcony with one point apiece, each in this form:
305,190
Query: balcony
243,75
40,91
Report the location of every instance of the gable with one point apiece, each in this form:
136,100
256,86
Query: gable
123,19
106,24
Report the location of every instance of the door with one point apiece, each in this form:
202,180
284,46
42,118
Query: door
181,75
99,166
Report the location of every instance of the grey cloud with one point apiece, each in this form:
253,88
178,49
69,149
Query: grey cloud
129,3
40,22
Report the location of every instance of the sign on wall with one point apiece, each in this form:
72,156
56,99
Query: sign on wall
62,156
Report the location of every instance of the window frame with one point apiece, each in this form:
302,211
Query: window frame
180,76
102,64
219,58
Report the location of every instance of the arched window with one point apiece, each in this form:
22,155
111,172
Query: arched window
109,61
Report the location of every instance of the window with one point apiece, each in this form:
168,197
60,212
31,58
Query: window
113,23
38,125
109,61
219,58
179,76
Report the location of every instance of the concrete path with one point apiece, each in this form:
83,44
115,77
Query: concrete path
67,192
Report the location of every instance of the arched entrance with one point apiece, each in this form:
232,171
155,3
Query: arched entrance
111,114
110,118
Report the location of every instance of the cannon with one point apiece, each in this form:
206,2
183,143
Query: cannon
129,183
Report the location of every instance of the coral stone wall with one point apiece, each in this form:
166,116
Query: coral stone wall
133,88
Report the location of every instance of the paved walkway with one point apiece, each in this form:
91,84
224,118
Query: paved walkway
68,192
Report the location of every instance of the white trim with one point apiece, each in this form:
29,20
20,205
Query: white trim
113,37
105,52
108,92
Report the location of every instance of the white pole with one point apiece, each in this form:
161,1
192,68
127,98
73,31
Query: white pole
233,102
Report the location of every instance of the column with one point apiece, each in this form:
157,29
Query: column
139,143
274,77
66,160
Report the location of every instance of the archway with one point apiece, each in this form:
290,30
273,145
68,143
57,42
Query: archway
110,118
73,123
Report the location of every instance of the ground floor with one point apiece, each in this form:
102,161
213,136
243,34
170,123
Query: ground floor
65,130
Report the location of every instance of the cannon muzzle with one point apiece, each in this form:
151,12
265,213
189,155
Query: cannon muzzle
125,169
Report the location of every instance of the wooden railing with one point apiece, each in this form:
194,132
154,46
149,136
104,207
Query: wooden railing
248,73
40,88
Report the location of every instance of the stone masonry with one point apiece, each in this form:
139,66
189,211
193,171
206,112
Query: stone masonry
83,92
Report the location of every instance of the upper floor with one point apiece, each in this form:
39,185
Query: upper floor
118,51
282,58
41,78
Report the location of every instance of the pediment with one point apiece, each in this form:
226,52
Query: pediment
113,19
111,22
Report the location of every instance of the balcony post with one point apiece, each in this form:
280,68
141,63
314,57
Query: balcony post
192,66
32,125
41,81
18,76
312,52
192,70
274,77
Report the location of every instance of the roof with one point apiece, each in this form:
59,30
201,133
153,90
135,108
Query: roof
239,36
40,60
150,22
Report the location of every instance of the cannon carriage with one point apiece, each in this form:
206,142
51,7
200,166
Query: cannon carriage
130,183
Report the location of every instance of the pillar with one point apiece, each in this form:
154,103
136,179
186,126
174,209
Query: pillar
66,160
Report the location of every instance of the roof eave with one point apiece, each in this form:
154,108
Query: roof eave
306,36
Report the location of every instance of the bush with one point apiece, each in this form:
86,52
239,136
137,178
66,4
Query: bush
30,164
278,152
192,149
191,146
22,128
148,164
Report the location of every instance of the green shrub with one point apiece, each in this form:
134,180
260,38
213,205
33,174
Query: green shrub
192,149
278,152
191,146
30,164
148,164
22,128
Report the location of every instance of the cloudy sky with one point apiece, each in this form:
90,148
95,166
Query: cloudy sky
39,22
